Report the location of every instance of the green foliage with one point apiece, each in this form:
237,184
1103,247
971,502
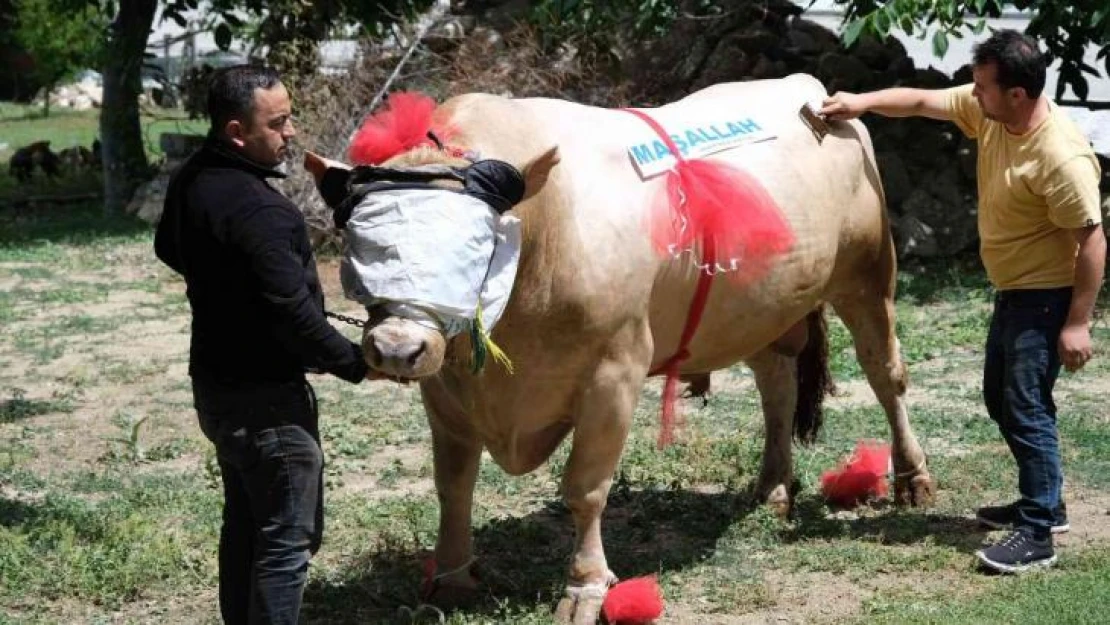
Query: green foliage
278,22
597,26
62,42
1064,27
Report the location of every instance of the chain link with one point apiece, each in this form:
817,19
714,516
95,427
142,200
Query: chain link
358,323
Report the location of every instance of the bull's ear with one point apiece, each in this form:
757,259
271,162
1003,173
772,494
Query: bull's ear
537,170
332,177
317,165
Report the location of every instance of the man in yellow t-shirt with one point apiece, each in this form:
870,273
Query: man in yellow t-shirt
1044,251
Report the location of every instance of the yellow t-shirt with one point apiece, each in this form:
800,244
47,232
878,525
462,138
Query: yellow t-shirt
1033,188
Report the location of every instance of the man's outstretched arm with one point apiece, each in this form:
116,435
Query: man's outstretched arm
896,102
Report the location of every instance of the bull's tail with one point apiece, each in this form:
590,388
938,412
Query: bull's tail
814,380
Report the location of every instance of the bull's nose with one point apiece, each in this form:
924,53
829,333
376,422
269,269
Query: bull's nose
396,356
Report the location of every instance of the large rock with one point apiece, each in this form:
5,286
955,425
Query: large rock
967,153
816,37
878,55
841,72
913,237
147,202
940,208
897,182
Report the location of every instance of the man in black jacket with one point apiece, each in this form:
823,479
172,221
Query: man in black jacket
258,326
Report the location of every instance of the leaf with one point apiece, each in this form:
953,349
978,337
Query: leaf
231,19
882,23
1098,16
907,24
980,5
1071,77
1079,86
978,27
854,30
940,44
1087,68
222,36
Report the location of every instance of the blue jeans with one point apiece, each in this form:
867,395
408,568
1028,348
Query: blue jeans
1022,364
272,470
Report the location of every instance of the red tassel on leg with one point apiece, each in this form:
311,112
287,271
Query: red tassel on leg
670,407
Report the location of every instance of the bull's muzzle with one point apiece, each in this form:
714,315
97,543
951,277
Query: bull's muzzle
403,349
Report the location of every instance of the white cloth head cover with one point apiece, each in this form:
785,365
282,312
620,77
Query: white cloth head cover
431,255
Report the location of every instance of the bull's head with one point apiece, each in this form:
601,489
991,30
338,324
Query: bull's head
429,250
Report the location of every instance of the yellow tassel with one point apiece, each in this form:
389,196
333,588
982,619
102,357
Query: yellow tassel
491,347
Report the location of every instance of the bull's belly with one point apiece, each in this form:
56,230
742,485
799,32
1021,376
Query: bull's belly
737,321
721,341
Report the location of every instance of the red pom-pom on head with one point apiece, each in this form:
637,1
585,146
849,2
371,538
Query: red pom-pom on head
401,125
633,602
861,477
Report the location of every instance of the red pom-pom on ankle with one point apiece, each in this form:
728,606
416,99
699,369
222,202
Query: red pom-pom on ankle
863,476
636,601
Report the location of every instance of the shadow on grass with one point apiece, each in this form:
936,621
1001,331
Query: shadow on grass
523,560
16,513
891,526
18,408
76,224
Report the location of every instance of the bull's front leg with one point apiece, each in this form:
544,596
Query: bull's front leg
600,429
456,453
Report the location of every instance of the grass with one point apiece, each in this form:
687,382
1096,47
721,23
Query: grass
1034,599
110,497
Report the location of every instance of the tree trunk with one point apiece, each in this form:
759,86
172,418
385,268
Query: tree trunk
121,138
46,100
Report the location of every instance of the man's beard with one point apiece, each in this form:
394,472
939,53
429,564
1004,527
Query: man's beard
287,157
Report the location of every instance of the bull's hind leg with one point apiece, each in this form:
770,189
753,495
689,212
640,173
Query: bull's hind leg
776,379
869,316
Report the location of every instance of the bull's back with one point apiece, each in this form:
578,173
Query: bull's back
596,259
829,192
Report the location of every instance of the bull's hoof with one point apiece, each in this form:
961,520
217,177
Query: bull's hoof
581,605
918,491
449,597
777,499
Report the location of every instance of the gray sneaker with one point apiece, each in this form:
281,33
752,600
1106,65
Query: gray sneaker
1003,517
1018,552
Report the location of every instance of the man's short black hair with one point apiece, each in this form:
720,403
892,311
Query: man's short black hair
1019,61
231,92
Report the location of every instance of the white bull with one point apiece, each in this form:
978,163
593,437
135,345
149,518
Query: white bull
595,308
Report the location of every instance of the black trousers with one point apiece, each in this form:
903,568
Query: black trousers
268,446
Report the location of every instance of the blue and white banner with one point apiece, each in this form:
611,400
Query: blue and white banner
694,138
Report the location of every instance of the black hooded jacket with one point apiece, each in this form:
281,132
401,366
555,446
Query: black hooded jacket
243,249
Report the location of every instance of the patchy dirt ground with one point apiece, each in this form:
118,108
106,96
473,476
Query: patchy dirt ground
87,370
